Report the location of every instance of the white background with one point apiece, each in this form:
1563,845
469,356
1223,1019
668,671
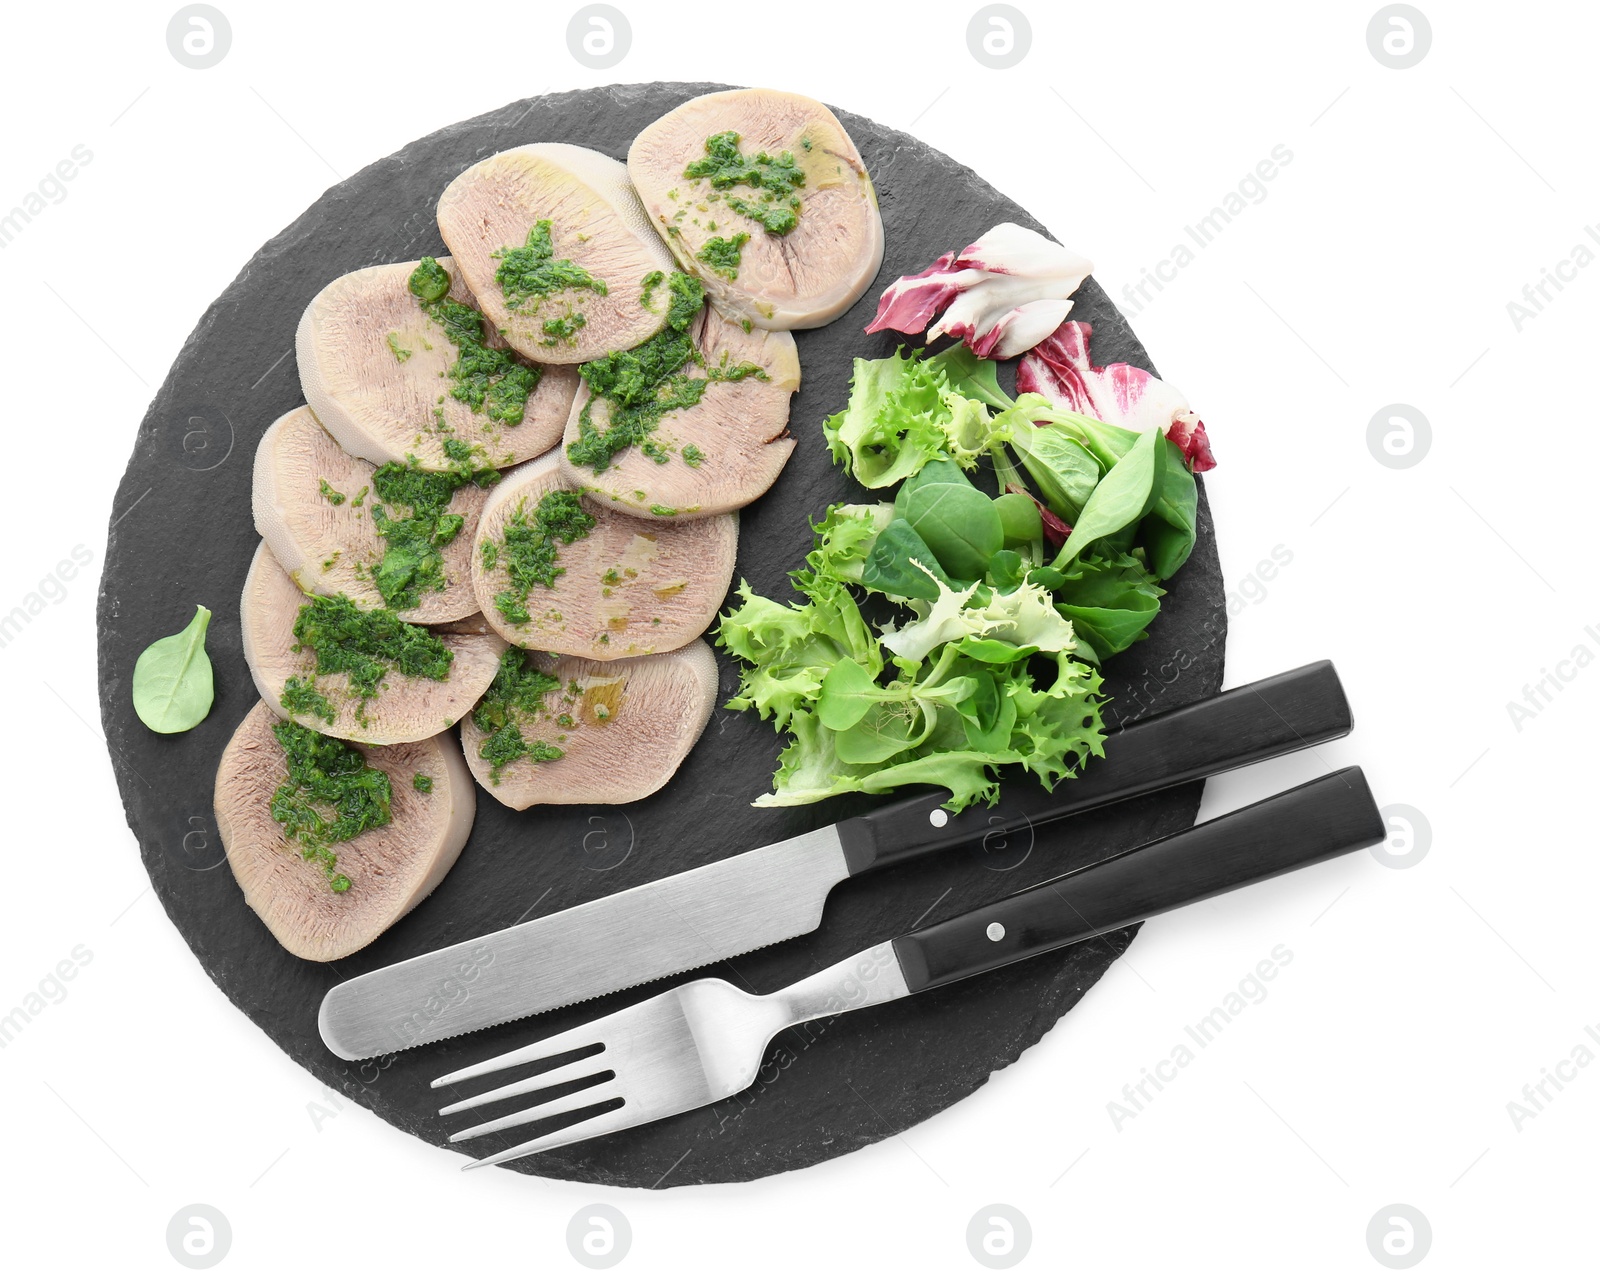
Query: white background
1377,270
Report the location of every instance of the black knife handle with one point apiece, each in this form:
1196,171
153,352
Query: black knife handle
1307,824
1264,719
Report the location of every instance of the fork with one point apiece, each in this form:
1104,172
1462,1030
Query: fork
703,1041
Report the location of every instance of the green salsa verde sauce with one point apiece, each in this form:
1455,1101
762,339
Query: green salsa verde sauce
723,255
330,795
642,384
773,180
530,546
534,273
489,380
647,288
301,698
519,690
366,645
413,559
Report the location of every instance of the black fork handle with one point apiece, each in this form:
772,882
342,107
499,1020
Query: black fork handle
1268,718
1319,820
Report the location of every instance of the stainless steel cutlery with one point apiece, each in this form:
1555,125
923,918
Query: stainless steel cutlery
766,895
703,1041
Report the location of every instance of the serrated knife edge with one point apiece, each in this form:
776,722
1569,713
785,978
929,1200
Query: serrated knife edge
650,931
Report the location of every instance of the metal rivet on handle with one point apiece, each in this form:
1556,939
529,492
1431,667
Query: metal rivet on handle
938,818
996,931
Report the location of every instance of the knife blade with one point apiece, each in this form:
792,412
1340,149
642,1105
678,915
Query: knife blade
766,895
680,922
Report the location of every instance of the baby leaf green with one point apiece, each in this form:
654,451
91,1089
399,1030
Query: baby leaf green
1110,599
1064,469
1019,519
844,698
938,470
959,523
1005,570
1124,496
971,376
893,565
1168,530
172,690
885,730
988,715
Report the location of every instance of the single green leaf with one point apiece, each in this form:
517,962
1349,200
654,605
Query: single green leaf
989,650
172,690
1111,598
1109,631
935,471
1005,569
1168,530
1123,497
892,566
1063,469
1020,522
844,698
988,716
959,523
971,376
968,775
1108,443
885,730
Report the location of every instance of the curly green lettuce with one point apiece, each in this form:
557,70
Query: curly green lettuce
977,679
902,413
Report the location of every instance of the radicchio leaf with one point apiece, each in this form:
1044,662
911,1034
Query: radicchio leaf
1059,367
1001,295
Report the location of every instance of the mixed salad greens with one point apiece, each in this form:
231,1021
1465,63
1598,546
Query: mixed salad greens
943,632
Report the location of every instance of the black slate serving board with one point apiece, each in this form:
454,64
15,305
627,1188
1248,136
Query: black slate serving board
182,533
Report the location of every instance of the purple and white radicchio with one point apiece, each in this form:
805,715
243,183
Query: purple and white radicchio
1119,394
1001,295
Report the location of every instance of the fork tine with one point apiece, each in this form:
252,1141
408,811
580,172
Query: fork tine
580,1100
611,1121
583,1067
565,1042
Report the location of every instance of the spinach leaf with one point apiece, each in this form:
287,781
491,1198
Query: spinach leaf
988,714
935,471
891,567
971,376
1064,469
1109,631
845,695
1124,496
1168,530
1108,443
172,690
1110,599
1019,519
1005,569
959,523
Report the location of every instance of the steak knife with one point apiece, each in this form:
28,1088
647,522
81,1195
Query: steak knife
766,895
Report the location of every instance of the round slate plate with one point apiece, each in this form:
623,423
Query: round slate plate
182,534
